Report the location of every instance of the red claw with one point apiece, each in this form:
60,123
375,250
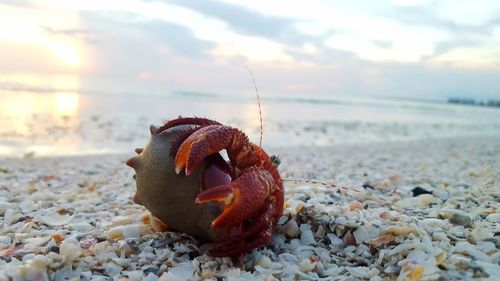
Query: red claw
252,202
241,198
205,141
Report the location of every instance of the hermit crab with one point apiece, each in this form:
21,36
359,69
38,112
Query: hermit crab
183,180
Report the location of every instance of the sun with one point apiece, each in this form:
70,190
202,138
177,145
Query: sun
65,52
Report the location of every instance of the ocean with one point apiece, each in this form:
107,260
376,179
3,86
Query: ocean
35,124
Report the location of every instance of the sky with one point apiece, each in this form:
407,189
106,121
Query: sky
398,48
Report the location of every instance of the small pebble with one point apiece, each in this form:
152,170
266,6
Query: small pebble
419,191
493,218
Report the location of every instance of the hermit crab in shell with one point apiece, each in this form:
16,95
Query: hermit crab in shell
183,180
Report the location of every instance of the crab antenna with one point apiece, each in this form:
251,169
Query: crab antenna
258,102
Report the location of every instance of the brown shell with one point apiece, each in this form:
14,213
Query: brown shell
170,196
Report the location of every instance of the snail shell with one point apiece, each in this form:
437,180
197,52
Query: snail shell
170,196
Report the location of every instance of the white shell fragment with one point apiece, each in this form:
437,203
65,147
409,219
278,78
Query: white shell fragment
292,229
69,251
183,271
56,220
493,218
74,219
127,231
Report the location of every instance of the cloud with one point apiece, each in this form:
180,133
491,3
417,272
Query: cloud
459,35
147,35
424,16
446,46
383,44
163,47
245,21
79,34
18,3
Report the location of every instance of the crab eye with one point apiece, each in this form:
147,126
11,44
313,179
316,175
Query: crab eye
275,160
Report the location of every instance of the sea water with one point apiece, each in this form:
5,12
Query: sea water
69,123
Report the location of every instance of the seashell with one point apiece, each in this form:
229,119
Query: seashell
385,238
67,273
334,239
157,225
429,248
292,229
411,272
282,220
5,240
487,247
69,251
33,244
349,239
286,257
440,236
33,272
134,275
27,206
127,231
183,271
150,277
416,256
480,233
341,220
10,216
55,219
425,200
28,257
4,206
306,265
456,216
469,249
493,218
40,261
355,205
80,226
361,234
12,251
401,230
363,272
320,232
433,223
87,243
440,258
112,269
306,236
265,262
401,248
121,220
304,251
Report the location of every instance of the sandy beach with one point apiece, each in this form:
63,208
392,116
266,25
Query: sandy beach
414,210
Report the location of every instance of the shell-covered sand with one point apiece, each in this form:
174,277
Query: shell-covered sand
425,210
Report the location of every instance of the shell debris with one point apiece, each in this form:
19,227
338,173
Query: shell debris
73,219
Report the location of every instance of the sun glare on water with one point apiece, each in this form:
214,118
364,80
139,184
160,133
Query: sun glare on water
66,103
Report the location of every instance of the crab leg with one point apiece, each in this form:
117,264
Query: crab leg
241,198
235,250
239,244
